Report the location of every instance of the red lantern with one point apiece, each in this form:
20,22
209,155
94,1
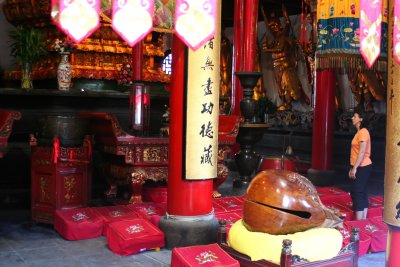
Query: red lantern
76,18
370,30
195,21
132,19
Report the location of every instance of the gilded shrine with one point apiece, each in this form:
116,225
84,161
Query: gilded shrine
99,57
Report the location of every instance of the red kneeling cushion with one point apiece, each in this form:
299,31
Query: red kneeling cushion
227,204
156,194
331,194
205,255
134,236
377,199
229,217
111,214
330,190
342,210
148,210
377,233
78,224
364,239
375,207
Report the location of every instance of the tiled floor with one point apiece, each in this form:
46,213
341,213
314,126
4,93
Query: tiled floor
23,243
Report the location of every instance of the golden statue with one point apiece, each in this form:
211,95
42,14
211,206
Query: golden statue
226,73
285,65
225,67
367,85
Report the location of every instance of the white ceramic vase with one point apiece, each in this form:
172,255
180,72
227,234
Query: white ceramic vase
64,73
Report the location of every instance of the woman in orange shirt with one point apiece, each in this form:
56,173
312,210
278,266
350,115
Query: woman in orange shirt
361,166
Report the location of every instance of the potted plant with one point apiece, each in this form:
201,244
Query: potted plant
27,46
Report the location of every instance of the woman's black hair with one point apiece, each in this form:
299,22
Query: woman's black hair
364,116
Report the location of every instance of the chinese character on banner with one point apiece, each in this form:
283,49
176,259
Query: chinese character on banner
195,21
201,133
76,18
132,19
370,30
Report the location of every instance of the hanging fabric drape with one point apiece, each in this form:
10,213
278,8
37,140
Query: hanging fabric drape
339,35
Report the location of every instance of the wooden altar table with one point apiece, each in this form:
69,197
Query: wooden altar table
133,160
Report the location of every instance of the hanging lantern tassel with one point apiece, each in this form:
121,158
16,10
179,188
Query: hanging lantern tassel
396,32
76,18
195,21
132,19
370,30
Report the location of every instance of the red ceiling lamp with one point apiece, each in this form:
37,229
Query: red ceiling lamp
195,21
132,19
76,18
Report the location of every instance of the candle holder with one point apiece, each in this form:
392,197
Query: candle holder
248,105
250,132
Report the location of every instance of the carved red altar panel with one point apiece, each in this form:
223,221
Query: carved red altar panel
7,118
61,185
147,158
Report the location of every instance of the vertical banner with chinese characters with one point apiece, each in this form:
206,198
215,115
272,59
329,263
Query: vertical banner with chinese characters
202,102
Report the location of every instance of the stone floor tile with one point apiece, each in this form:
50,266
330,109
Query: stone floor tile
11,259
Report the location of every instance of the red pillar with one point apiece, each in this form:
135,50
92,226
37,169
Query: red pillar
250,35
238,37
323,126
392,246
185,198
190,219
137,61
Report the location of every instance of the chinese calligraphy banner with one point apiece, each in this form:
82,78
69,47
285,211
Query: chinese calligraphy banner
338,29
201,119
